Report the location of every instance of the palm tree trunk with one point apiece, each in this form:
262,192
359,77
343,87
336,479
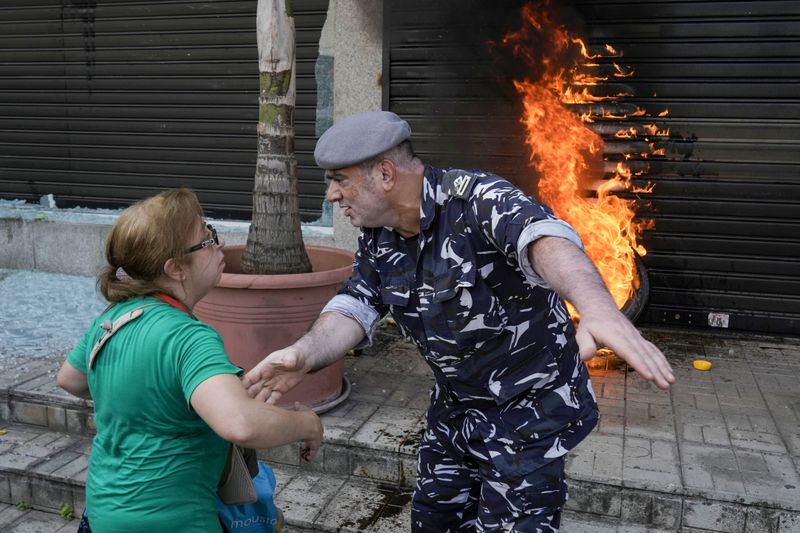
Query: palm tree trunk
275,242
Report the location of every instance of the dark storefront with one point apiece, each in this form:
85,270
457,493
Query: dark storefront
726,204
105,102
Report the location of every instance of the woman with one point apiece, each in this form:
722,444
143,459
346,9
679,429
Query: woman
167,398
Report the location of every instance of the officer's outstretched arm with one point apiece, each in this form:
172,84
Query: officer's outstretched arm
569,272
331,336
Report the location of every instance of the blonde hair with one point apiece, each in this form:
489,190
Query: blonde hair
143,238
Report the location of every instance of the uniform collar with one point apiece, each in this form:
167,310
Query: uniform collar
430,186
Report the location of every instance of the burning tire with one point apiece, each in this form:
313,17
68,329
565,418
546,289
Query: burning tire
636,304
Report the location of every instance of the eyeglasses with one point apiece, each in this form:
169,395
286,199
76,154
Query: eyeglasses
214,240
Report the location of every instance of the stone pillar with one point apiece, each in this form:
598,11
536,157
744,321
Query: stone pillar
351,59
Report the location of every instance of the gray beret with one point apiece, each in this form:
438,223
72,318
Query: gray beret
354,139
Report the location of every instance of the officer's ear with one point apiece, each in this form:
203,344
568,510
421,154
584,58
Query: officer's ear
388,174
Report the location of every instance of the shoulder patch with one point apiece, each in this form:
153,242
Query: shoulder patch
458,183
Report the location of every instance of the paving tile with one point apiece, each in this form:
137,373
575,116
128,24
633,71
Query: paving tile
789,523
651,510
303,497
375,464
612,416
667,512
582,523
74,470
598,458
785,410
24,372
712,469
28,412
336,459
55,462
44,383
20,487
41,522
283,475
16,461
374,386
56,418
76,421
720,517
751,462
780,484
47,444
651,464
50,495
393,519
387,428
284,455
356,506
596,498
5,488
717,436
9,514
342,422
758,440
649,420
761,521
408,471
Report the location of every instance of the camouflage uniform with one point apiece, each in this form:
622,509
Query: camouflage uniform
511,395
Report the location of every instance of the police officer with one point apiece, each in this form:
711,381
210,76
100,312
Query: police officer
473,272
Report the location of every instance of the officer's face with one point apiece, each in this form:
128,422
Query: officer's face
359,194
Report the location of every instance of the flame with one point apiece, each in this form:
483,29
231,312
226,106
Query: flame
565,150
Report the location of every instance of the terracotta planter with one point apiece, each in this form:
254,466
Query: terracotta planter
257,314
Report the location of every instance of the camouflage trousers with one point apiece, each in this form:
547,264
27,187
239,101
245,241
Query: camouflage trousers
484,467
465,496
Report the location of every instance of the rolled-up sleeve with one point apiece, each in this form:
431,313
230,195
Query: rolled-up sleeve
366,316
511,221
537,230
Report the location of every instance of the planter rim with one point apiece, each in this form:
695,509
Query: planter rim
288,281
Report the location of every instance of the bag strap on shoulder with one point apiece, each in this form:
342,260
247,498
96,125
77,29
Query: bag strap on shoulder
113,327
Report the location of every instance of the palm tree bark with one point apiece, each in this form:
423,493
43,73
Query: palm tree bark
275,242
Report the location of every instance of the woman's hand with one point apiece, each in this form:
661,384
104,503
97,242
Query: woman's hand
313,443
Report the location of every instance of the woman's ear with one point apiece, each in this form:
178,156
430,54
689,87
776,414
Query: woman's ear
173,270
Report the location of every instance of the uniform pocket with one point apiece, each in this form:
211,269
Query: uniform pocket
447,284
522,372
512,458
396,291
543,488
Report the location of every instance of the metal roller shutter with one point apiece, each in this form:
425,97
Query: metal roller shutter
726,204
106,102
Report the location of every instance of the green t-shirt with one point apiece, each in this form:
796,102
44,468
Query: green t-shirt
154,464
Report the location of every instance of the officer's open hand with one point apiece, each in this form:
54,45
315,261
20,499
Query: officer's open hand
273,377
615,331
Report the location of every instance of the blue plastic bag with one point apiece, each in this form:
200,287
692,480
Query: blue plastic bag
259,517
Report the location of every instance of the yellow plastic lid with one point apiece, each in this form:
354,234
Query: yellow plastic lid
702,364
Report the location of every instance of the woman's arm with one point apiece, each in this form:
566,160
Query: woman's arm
73,381
223,403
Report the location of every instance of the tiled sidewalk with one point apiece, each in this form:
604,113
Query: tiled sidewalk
720,451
